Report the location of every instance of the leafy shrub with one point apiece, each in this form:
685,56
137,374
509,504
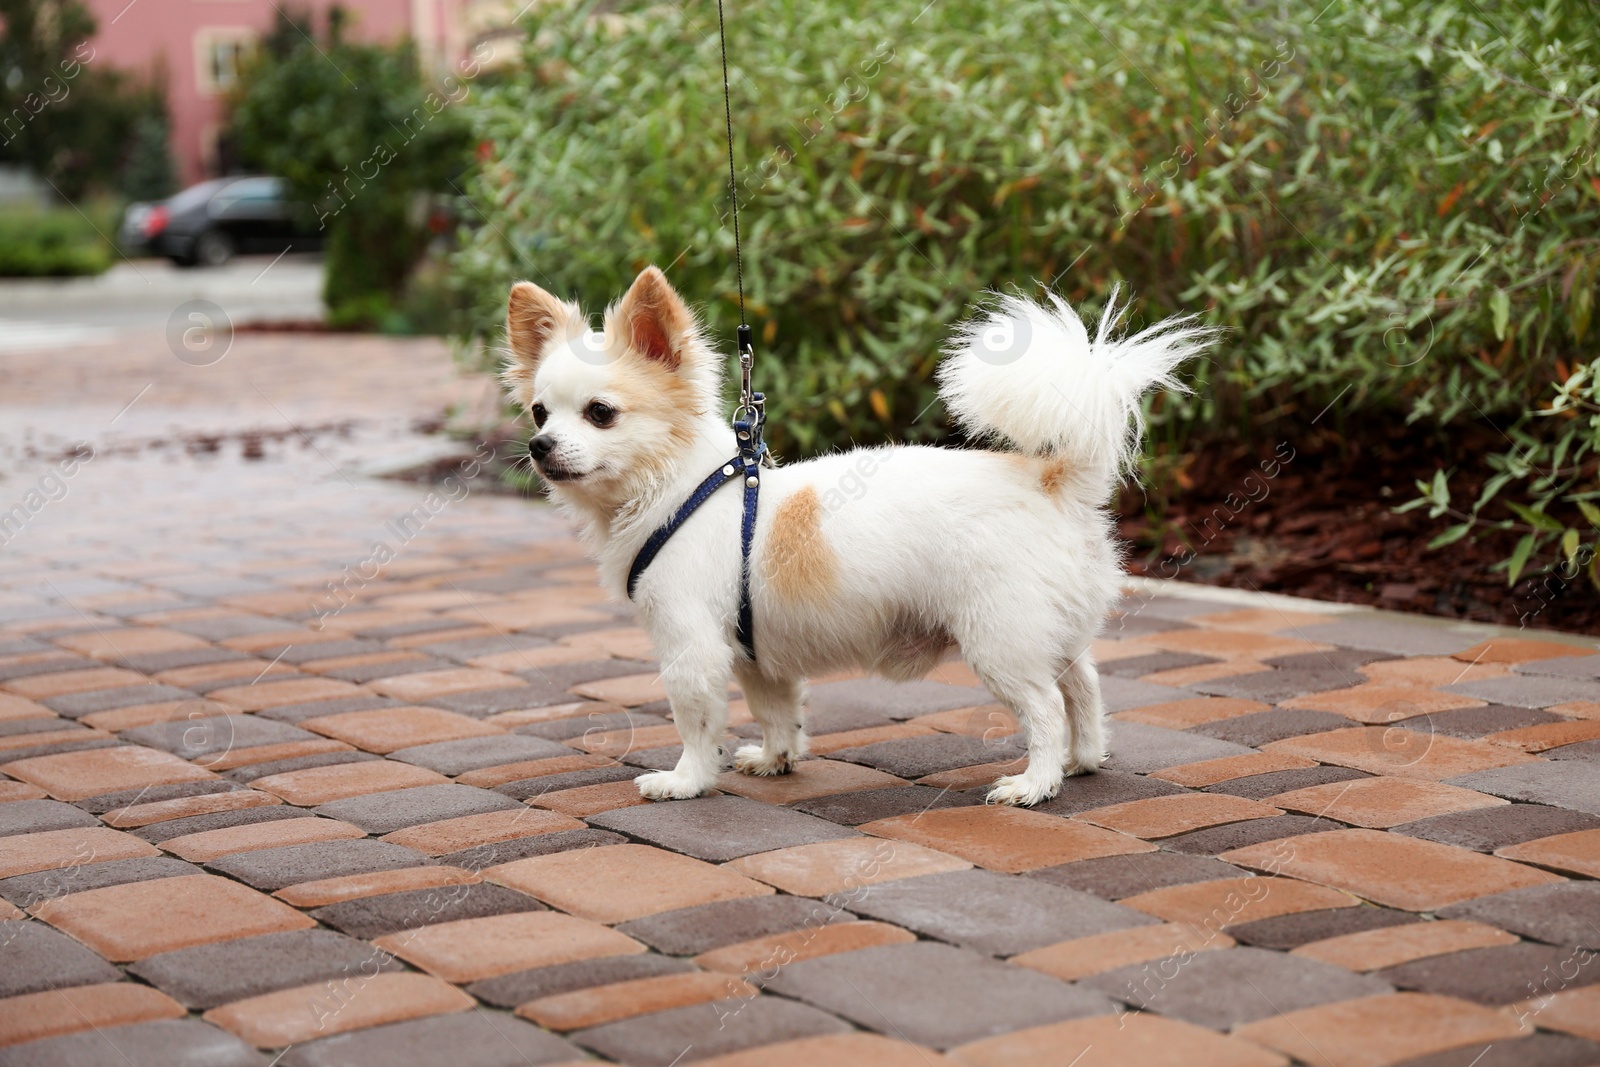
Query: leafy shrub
1390,205
64,113
150,172
54,243
431,302
1551,467
357,133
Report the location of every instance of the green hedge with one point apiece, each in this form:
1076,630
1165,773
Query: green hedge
1392,206
53,243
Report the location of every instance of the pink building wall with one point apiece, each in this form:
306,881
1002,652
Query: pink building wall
172,36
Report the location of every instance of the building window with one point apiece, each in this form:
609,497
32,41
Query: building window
221,55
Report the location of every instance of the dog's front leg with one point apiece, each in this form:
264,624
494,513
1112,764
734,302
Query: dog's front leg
696,677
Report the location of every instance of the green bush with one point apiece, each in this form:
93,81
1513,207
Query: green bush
150,172
1543,487
55,243
65,113
1389,204
359,135
430,303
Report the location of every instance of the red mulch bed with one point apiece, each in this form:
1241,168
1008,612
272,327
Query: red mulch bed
1325,527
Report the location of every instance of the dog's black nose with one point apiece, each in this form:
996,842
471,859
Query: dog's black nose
541,446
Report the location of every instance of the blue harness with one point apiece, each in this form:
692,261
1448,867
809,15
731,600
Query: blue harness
752,449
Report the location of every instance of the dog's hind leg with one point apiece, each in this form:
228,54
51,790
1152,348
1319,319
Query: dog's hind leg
776,706
1038,706
1080,689
1018,664
1022,678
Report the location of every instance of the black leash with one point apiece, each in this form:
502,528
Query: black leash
749,419
733,183
747,352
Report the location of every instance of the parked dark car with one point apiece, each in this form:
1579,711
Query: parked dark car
207,224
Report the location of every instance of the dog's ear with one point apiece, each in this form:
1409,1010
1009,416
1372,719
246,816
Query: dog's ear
654,320
532,318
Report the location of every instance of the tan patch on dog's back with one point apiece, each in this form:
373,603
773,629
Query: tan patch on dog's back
799,565
1054,475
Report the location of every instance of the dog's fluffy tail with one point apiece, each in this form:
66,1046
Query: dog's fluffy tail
1030,374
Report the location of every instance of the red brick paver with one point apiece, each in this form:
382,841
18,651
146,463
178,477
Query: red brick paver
66,1011
623,882
293,1016
1371,950
1389,869
140,919
1006,839
1386,1029
470,949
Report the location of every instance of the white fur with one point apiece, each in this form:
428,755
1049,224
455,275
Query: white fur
929,544
1030,375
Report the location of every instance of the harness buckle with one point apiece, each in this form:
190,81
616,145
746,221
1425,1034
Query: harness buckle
749,420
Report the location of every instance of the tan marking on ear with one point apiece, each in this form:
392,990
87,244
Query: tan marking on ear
533,319
799,565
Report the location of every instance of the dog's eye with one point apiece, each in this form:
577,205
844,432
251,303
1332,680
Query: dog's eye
600,413
539,415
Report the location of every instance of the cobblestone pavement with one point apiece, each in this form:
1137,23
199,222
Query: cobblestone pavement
302,767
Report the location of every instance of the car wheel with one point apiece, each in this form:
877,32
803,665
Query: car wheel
213,248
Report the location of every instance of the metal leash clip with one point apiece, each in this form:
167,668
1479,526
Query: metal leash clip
750,417
747,362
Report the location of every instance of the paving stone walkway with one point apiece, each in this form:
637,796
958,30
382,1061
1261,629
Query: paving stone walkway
301,767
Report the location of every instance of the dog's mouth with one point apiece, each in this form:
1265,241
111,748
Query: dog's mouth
556,472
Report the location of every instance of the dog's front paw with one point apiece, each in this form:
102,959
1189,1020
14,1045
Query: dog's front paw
669,785
756,760
1087,763
1023,791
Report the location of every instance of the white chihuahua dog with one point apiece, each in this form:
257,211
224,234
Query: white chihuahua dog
882,559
